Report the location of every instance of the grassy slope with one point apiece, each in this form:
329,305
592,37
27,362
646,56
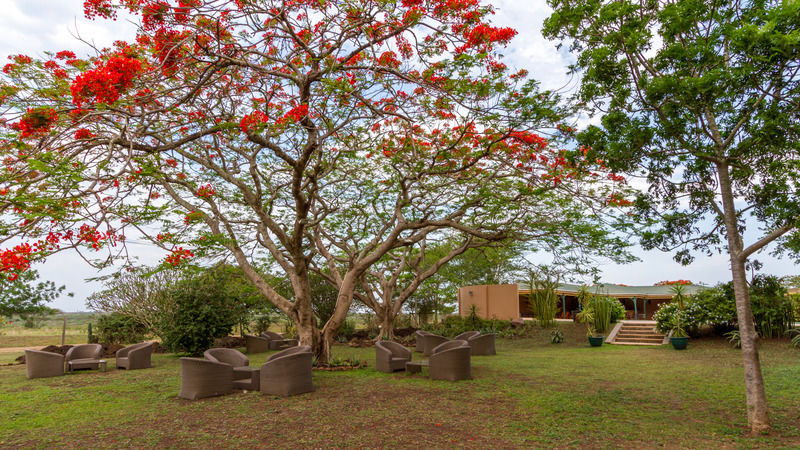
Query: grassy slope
531,394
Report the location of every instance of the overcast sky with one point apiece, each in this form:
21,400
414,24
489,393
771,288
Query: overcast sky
34,26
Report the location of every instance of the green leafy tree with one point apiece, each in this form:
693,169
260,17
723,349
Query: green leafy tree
702,99
25,296
204,310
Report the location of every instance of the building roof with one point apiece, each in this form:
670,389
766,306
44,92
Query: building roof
620,291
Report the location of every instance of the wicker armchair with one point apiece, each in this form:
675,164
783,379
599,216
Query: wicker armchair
277,341
135,356
420,340
39,364
431,341
288,372
202,378
84,356
256,344
391,356
465,336
244,376
450,361
483,344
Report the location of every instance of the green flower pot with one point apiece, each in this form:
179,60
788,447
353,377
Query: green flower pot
596,341
679,343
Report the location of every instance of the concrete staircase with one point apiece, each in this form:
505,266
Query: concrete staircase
637,332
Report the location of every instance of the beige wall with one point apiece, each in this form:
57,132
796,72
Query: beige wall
496,301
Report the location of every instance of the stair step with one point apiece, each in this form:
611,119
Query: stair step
645,335
639,340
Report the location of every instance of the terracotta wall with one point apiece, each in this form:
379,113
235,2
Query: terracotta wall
496,301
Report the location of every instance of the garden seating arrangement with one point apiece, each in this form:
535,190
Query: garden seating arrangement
84,356
420,340
277,341
244,376
391,356
450,361
135,356
431,341
288,372
39,364
482,344
465,336
256,344
201,378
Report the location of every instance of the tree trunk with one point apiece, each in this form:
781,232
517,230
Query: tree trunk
387,317
331,328
756,399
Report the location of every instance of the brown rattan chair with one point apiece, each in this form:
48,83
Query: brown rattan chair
431,341
39,364
136,356
483,344
277,341
465,336
84,356
288,372
420,338
243,375
391,356
256,344
450,361
202,378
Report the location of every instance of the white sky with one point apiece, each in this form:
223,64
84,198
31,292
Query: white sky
34,26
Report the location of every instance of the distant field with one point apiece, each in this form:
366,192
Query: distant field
48,331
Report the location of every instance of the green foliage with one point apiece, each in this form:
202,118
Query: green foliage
601,314
116,328
323,298
543,298
556,336
794,333
204,310
27,297
734,338
348,327
716,307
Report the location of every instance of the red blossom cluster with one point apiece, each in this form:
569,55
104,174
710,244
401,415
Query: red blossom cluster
36,121
206,191
617,199
18,259
253,121
15,260
178,255
83,133
293,115
107,82
192,217
672,283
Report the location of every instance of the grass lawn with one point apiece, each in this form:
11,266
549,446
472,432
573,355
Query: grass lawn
532,394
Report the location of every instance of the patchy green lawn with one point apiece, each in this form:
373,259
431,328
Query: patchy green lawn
532,394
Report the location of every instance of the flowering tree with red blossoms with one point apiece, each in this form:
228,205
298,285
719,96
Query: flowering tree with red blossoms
249,130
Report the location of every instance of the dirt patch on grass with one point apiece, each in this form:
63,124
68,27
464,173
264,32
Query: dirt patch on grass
377,412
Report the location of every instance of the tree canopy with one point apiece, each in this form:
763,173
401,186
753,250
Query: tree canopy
235,130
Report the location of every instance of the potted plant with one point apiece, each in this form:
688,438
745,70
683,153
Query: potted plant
678,338
597,317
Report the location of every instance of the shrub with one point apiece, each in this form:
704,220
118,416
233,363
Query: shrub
203,311
716,307
348,327
543,299
116,328
556,336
